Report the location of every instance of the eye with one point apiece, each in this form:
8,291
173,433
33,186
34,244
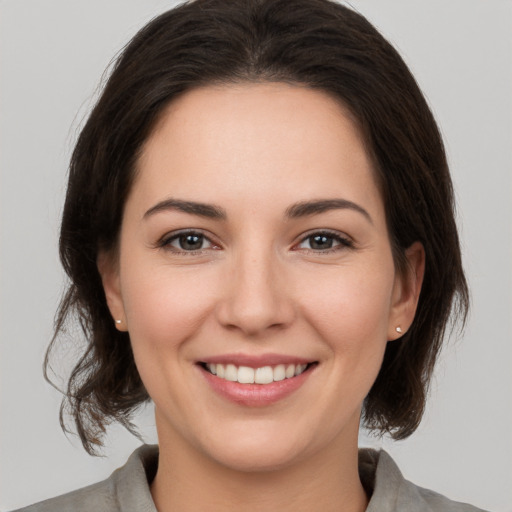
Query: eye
187,241
324,241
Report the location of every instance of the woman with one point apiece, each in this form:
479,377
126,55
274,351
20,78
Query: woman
259,232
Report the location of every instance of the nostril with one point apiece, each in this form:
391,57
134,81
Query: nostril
254,316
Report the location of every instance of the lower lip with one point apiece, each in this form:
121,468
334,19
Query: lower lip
256,395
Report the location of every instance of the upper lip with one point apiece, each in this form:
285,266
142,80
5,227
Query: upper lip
255,361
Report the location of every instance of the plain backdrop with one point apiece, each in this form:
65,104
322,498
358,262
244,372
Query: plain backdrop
53,53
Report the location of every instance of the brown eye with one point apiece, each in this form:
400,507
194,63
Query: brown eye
321,242
188,242
324,241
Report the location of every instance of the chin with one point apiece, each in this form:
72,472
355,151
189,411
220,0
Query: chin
241,445
261,445
248,457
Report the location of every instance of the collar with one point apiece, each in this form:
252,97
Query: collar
380,476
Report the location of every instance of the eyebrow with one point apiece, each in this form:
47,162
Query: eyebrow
297,210
306,208
202,209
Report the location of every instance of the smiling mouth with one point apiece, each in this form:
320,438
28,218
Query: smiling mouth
262,375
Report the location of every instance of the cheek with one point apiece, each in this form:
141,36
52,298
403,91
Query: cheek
163,307
349,308
163,302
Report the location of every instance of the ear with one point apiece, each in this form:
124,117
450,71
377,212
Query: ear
108,268
406,292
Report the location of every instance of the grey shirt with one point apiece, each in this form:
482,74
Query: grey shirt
127,489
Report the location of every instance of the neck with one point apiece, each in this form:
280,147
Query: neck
188,480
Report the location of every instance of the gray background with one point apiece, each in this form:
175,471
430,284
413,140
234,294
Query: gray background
52,54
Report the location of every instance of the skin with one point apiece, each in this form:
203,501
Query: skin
257,286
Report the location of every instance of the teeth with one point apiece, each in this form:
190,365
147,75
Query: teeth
263,375
290,371
300,368
231,373
245,375
279,372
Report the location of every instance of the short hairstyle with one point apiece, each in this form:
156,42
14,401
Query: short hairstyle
315,43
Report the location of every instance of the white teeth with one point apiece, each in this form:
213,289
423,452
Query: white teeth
279,372
263,375
245,375
231,373
220,371
300,368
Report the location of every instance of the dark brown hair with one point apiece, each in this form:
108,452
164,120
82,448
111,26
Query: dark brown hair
316,43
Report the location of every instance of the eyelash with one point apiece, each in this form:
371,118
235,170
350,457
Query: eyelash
342,242
166,241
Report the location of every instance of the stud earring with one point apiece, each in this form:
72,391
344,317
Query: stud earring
398,330
118,322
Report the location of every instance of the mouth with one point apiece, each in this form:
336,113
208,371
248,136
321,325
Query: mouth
262,375
256,380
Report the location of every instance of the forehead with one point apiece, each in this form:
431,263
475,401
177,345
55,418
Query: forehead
270,140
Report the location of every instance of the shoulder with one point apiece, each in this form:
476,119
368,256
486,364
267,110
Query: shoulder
126,490
391,492
99,497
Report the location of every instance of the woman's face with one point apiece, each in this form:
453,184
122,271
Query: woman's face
254,246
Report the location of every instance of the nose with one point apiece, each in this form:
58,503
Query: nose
257,296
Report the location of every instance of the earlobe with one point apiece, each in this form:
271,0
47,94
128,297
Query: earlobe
407,291
109,272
